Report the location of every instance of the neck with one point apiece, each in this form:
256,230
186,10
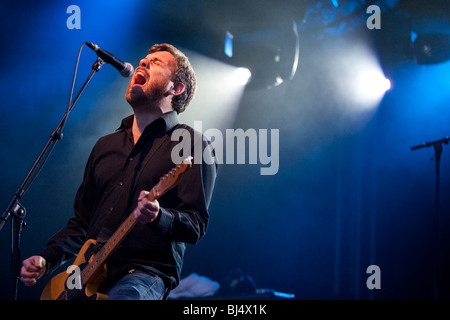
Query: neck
142,118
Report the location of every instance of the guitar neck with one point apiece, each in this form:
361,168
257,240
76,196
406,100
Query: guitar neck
113,242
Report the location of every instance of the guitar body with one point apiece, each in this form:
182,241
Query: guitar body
57,288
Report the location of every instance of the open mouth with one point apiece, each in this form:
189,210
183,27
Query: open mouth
139,79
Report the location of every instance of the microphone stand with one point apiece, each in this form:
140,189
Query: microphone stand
437,145
15,209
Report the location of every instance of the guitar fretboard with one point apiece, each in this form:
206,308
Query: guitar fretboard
102,255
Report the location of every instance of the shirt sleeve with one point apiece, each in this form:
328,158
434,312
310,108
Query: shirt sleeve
188,222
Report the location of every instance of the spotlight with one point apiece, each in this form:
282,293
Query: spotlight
357,75
271,56
386,84
242,76
371,84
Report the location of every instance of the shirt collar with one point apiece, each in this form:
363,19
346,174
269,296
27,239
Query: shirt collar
170,119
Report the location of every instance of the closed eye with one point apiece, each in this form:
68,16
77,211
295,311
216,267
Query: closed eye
144,63
156,60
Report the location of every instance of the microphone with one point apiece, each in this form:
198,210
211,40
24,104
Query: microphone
125,68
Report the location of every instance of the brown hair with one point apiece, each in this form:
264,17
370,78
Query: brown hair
184,74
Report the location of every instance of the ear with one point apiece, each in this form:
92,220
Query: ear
178,88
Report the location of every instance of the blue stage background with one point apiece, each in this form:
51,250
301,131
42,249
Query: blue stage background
349,192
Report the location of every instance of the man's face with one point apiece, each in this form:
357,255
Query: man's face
152,79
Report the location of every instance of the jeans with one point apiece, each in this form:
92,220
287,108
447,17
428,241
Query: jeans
137,285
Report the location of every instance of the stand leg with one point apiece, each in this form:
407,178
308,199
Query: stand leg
436,236
17,225
437,159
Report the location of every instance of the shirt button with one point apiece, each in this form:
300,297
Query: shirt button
120,183
111,209
130,158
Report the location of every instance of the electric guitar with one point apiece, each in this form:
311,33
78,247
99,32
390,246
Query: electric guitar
82,280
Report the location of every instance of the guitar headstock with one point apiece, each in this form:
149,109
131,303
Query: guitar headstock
171,178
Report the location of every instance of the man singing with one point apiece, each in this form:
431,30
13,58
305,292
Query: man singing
121,169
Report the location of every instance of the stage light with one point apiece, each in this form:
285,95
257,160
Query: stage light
358,77
242,76
387,84
371,84
270,55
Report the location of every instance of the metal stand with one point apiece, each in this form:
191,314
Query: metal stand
437,145
15,209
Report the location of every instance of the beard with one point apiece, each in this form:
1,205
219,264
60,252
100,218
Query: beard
146,96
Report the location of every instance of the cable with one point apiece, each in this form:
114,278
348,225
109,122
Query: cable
56,135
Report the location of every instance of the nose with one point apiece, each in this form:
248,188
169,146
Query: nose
144,63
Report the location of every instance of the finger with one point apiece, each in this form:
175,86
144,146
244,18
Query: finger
30,267
152,205
38,262
30,272
143,195
28,281
28,277
34,263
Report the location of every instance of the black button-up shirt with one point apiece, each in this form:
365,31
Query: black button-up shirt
116,172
